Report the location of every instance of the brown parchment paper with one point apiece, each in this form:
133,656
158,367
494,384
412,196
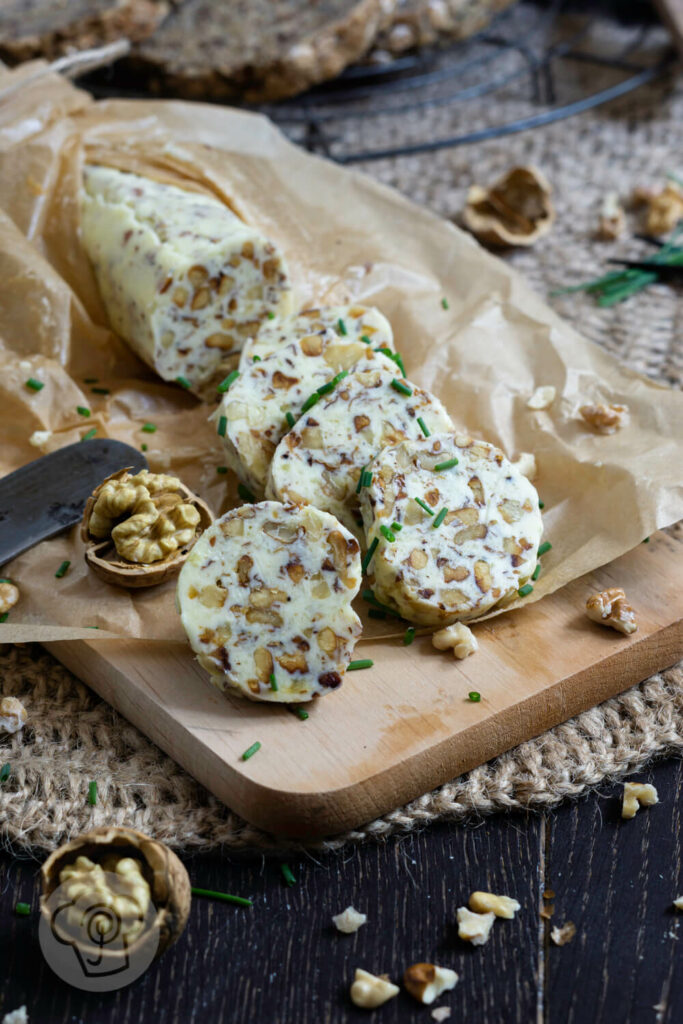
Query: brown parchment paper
346,238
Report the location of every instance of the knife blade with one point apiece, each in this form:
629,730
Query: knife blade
49,494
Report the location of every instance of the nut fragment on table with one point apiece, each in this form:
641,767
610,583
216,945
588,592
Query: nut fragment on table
501,906
18,1016
12,715
441,1013
349,920
664,209
516,210
39,438
427,981
369,991
474,928
542,398
457,637
678,903
526,464
612,222
9,595
637,795
610,608
561,936
605,419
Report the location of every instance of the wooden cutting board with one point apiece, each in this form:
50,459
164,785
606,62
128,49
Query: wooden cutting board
380,740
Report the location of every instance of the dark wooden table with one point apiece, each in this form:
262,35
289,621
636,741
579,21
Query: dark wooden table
282,962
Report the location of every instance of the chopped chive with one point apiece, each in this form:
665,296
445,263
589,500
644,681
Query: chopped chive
4,617
474,696
369,596
397,527
377,613
545,546
365,338
325,389
89,434
399,362
360,480
250,751
444,303
340,376
90,380
536,573
63,569
402,388
82,410
183,381
22,909
256,359
222,426
310,401
300,713
541,504
386,533
525,590
226,897
6,579
271,315
221,469
448,464
245,494
368,555
287,874
5,772
92,793
341,327
440,518
367,477
424,505
409,636
100,391
354,666
423,426
290,419
273,682
149,428
646,541
143,447
225,384
35,385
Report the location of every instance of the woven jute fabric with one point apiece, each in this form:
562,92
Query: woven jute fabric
73,736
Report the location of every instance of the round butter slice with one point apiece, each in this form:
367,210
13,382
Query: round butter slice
265,599
363,324
437,572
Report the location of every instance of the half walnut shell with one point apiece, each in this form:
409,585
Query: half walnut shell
517,210
104,560
168,881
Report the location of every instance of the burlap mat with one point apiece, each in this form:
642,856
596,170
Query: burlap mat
74,737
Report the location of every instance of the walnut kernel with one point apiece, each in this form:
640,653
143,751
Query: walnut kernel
368,991
610,608
459,637
501,906
605,419
612,222
427,981
9,595
118,884
637,795
474,928
12,715
561,936
665,209
542,398
349,921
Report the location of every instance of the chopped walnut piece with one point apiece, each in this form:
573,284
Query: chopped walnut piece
542,398
526,464
561,936
9,595
605,419
18,1016
501,906
678,903
427,981
665,209
637,795
39,438
441,1013
612,223
368,991
474,928
12,715
610,608
459,637
350,920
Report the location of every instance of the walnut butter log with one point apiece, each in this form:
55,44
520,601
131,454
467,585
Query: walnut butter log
184,281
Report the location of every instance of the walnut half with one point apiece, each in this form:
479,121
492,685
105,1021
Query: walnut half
610,608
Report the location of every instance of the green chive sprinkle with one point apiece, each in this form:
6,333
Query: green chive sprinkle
368,555
6,579
256,359
221,469
310,401
90,380
525,590
100,391
541,504
536,573
63,569
425,506
369,596
367,477
273,682
396,527
444,303
222,426
300,713
360,480
149,428
230,379
4,617
386,533
89,434
287,874
250,751
377,613
143,447
5,772
245,494
545,546
402,388
325,389
354,666
409,636
226,897
271,316
646,541
82,410
341,327
290,419
448,464
474,696
365,338
440,518
183,381
22,909
399,362
35,385
423,426
92,793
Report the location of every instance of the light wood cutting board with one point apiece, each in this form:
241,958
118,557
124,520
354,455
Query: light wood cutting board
379,740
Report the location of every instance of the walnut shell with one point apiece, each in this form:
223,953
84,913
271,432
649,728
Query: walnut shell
166,875
516,210
105,562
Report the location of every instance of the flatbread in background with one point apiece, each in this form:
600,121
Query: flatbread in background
416,23
51,28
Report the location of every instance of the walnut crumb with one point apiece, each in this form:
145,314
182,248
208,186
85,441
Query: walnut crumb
542,398
9,595
678,903
605,419
610,608
612,222
637,795
457,637
561,936
474,928
19,1016
441,1013
664,209
427,981
369,991
501,906
350,920
12,715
